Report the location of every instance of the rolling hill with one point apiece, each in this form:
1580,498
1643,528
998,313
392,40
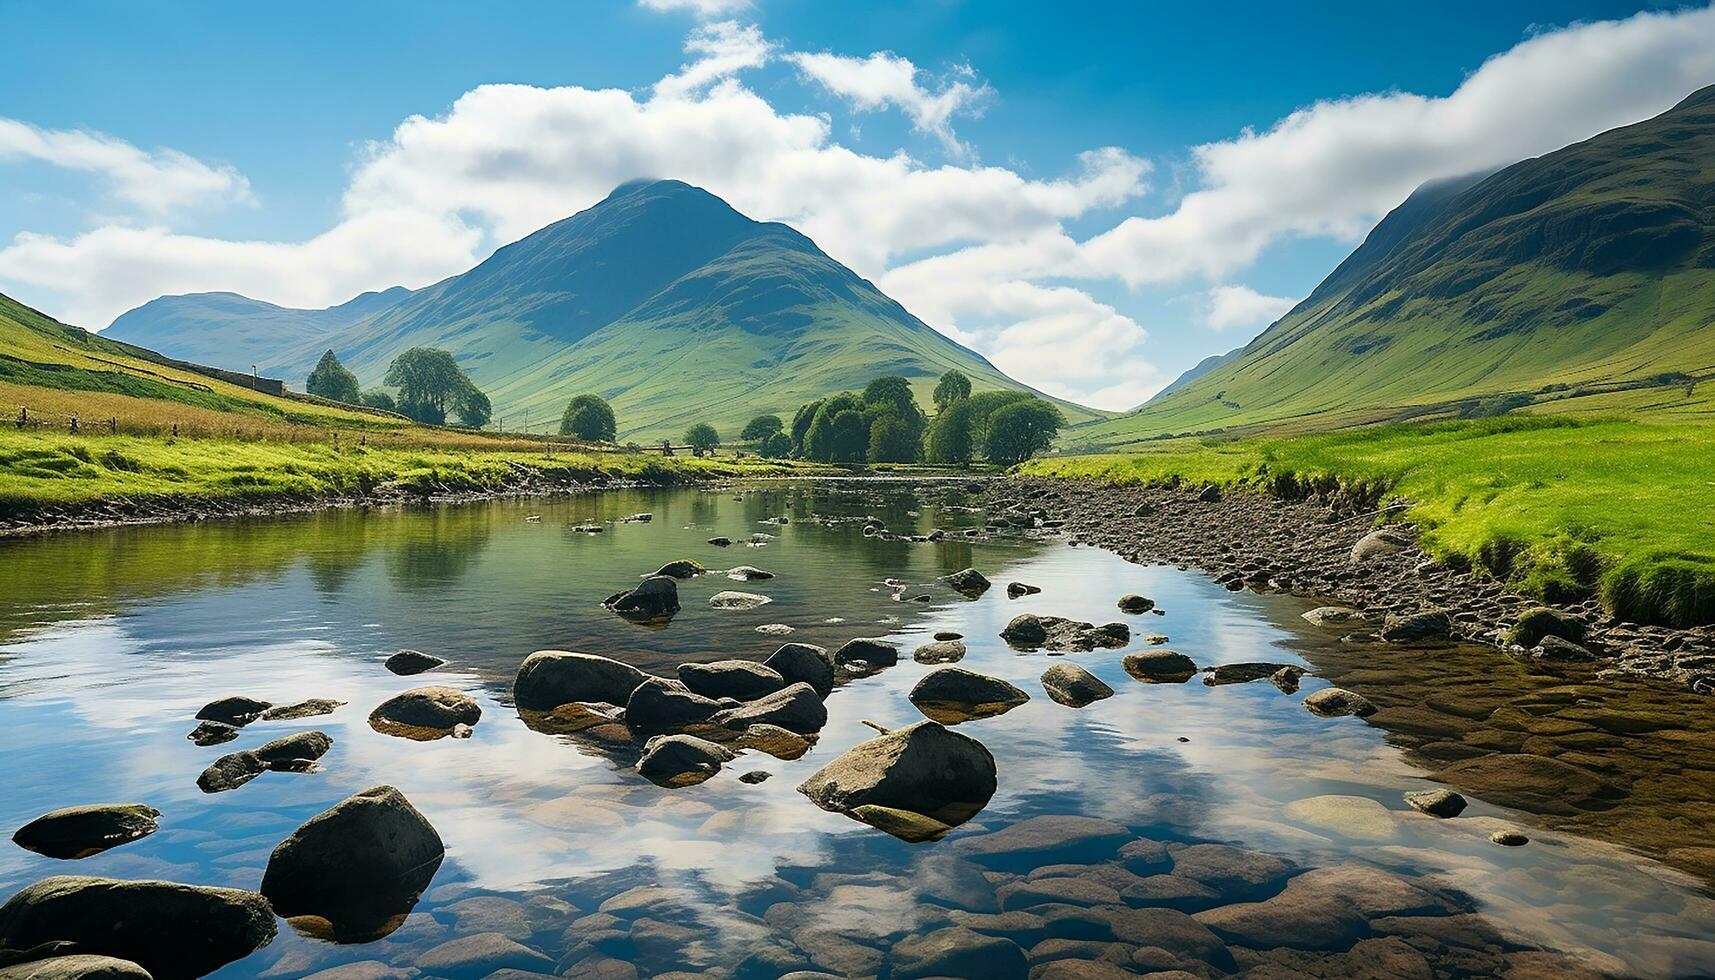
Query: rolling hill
1582,280
661,298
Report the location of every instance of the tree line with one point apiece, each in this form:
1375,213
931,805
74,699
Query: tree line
429,382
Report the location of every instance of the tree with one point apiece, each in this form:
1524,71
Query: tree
949,439
819,440
330,379
1021,430
590,418
430,382
801,420
760,428
848,440
702,438
472,407
892,441
377,398
952,387
776,446
893,394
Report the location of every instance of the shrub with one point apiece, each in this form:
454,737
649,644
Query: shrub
590,418
1021,430
702,438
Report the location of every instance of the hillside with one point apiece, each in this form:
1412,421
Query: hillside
661,298
237,331
1583,280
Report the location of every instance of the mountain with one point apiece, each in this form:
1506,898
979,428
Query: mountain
1582,280
661,298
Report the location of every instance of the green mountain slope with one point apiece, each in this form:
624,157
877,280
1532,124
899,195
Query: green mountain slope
1583,279
661,298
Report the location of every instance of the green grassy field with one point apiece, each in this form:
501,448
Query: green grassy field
1559,507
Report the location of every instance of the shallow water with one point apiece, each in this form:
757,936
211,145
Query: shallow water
111,641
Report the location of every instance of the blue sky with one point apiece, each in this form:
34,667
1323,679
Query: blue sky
1095,197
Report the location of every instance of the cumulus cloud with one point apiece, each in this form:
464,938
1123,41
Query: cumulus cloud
1334,168
1241,306
157,182
718,52
885,80
703,9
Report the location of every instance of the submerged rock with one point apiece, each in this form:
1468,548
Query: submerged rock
741,679
1073,686
294,753
958,952
1334,702
656,598
170,930
681,568
314,707
1159,667
1034,841
408,662
1240,673
426,713
748,573
924,768
720,541
549,678
738,600
1135,605
662,705
352,872
1437,802
865,653
805,662
968,582
236,710
952,695
79,831
940,652
681,760
1018,590
1032,632
73,966
1423,627
212,733
795,707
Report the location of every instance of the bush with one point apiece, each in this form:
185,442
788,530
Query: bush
892,441
702,438
590,418
377,398
776,446
760,428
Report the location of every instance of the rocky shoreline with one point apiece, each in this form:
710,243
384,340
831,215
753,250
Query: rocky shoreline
1329,549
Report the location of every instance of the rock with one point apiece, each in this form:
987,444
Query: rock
1535,624
1437,802
952,694
907,825
314,707
796,708
1144,509
1018,590
1073,686
796,662
79,831
549,678
940,652
1230,870
236,710
356,868
212,733
775,629
947,880
1135,605
1423,627
408,662
425,713
479,956
656,598
661,705
924,768
637,519
1067,838
741,679
1080,968
170,930
1029,894
681,568
737,600
293,753
865,653
1509,838
76,966
946,635
748,573
968,582
681,760
720,541
1382,541
1334,702
1159,667
1356,817
774,740
1328,908
1178,933
957,952
1210,494
1241,673
755,776
1531,782
1334,616
1028,631
1286,679
1553,649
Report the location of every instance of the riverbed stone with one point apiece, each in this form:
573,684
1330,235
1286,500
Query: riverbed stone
170,930
741,679
968,582
866,653
924,768
681,760
408,662
75,966
1028,631
957,952
236,710
657,597
662,705
961,694
940,652
1335,616
1437,802
549,678
1230,870
805,662
1073,686
795,707
748,573
1159,667
774,740
80,831
1531,782
293,753
480,955
681,568
1135,605
738,600
1064,837
1335,702
425,713
1241,673
1535,624
1431,626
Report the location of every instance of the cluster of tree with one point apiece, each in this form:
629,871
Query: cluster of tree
1003,427
881,424
702,438
430,384
768,433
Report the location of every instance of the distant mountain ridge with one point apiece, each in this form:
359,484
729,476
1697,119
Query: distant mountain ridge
1577,274
661,298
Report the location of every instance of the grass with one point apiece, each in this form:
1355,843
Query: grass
1558,507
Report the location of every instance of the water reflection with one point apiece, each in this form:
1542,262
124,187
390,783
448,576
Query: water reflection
555,842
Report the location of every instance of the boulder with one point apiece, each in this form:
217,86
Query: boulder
1159,667
968,582
1335,702
297,752
1536,624
1073,686
940,652
408,662
657,597
952,694
681,760
170,930
1232,871
1286,679
923,768
737,600
1334,616
79,831
778,742
1018,590
1437,802
661,705
957,952
720,541
681,568
796,662
426,713
236,710
355,869
549,678
796,708
1135,605
1424,627
75,966
741,679
1382,541
1029,631
1552,649
311,708
748,573
865,653
1241,673
212,733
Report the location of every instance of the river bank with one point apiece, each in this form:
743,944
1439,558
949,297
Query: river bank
1312,548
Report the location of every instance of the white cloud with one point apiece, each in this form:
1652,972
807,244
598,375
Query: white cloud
1241,306
884,79
703,9
1334,168
156,182
719,51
